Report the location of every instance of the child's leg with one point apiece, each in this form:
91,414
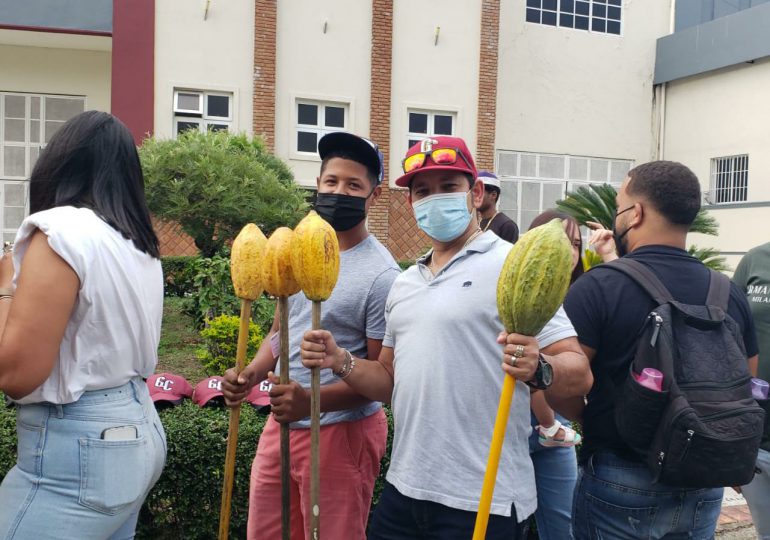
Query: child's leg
551,432
542,411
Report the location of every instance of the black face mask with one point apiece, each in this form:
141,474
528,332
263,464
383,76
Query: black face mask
343,212
619,245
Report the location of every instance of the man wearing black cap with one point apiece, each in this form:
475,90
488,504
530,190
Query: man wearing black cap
490,218
353,428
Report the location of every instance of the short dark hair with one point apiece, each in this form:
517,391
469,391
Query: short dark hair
92,162
671,188
572,224
351,156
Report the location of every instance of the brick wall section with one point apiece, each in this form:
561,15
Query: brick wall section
379,113
172,240
490,31
265,15
407,241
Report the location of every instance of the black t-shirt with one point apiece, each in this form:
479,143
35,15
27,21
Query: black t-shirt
608,309
502,226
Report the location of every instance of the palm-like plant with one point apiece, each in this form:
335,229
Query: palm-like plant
596,202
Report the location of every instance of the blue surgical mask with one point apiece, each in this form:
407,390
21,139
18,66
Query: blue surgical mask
443,217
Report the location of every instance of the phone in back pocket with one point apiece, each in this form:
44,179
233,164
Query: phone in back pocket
120,433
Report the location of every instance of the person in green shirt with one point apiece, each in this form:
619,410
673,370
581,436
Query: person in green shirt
753,276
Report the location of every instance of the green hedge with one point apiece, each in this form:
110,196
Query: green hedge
184,504
178,275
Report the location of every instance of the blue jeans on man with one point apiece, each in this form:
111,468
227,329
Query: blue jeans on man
616,499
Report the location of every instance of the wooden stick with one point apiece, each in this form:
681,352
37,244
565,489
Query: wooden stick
283,309
490,476
315,436
232,431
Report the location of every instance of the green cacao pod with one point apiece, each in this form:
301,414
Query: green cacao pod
534,279
315,257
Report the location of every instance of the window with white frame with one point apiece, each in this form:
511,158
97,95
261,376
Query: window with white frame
602,16
202,111
729,179
424,124
532,183
27,123
314,119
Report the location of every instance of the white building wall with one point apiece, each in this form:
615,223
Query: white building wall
433,72
575,92
323,54
719,114
215,54
31,69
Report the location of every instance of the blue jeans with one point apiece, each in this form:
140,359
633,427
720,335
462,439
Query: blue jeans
68,482
555,477
616,499
398,517
757,494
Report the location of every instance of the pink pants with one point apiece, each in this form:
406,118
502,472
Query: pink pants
350,462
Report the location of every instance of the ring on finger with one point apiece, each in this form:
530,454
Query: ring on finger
513,360
519,352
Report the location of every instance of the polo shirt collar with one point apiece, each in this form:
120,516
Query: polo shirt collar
480,244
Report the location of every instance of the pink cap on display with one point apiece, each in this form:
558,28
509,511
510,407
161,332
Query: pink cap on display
259,396
208,390
169,388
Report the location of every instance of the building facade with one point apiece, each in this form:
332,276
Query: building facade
550,94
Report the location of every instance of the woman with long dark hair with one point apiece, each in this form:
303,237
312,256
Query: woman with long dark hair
80,311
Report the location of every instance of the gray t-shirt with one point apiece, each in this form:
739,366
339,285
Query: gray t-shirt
448,379
354,312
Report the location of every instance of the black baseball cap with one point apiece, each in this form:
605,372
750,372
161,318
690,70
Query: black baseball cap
364,150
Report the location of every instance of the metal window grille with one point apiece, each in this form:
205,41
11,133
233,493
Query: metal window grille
600,16
730,179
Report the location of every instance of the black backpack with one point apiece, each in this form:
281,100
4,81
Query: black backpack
704,429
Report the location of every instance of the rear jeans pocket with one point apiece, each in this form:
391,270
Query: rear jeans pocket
113,474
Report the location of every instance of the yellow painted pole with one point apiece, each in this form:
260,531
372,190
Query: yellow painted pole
490,477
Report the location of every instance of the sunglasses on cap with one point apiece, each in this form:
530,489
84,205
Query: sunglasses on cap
439,156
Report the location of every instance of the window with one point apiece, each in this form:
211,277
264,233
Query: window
601,16
201,110
424,124
729,179
315,119
27,123
532,183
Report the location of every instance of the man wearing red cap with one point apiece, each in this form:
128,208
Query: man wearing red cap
440,365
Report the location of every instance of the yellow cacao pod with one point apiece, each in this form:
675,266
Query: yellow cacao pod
315,257
534,279
277,275
246,262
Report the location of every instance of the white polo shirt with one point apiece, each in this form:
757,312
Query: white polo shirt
448,379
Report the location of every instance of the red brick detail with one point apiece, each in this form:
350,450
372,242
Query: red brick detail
379,112
173,241
406,241
487,112
265,15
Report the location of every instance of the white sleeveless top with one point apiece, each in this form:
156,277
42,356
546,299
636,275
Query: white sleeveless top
114,328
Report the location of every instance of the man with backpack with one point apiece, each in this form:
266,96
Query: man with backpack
654,458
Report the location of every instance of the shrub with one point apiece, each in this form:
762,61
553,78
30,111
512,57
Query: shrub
7,437
213,183
220,337
177,275
185,502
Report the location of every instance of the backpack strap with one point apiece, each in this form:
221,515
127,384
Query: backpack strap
719,291
643,276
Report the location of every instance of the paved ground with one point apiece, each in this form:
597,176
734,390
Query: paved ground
735,521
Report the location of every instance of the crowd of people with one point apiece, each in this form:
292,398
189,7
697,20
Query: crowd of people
428,341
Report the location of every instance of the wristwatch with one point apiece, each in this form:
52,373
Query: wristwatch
543,375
